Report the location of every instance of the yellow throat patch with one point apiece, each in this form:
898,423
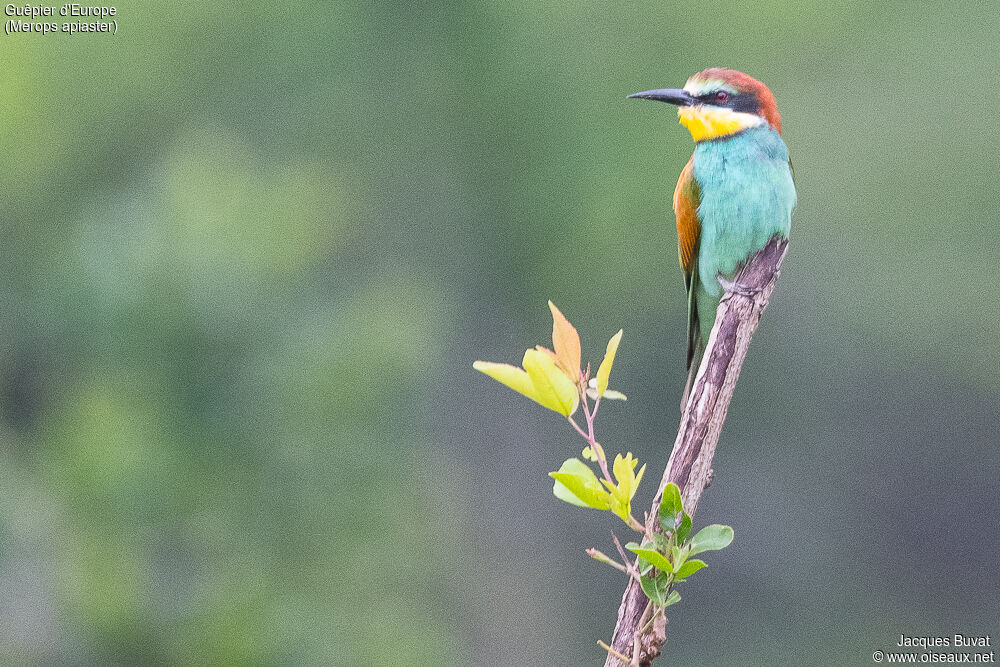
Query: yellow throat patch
708,122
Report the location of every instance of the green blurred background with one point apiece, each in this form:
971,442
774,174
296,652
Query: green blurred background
251,251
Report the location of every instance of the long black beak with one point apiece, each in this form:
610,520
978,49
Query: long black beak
676,96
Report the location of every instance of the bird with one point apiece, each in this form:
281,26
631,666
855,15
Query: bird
736,192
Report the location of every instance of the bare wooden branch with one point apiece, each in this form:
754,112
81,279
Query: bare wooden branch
690,465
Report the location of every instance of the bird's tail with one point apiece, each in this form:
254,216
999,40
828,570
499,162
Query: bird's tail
701,318
697,351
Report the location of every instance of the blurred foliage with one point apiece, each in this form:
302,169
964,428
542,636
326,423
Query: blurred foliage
250,252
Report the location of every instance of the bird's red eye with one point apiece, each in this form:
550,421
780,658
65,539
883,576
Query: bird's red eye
721,96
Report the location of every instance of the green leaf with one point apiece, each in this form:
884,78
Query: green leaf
555,390
620,506
512,376
677,556
604,371
684,529
673,598
670,506
541,380
643,564
564,494
594,453
712,538
628,482
655,558
608,395
653,590
624,469
689,567
577,484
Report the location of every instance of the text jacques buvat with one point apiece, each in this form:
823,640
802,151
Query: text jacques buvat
45,19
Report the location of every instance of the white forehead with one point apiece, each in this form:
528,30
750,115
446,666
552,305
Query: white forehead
696,87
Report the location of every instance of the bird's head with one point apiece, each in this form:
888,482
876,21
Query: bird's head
718,103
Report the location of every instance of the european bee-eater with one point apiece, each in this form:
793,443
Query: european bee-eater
735,192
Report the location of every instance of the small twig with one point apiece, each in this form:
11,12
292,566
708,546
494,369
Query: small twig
577,427
611,651
632,570
607,560
620,550
593,413
588,435
635,525
652,619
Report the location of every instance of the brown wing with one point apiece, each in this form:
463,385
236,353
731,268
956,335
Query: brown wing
686,200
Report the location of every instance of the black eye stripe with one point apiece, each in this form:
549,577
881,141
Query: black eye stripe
745,102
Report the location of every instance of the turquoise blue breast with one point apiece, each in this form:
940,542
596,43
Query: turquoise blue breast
747,196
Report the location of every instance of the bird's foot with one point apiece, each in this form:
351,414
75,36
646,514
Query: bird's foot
738,287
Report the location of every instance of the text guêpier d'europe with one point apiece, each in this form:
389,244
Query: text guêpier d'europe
43,18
